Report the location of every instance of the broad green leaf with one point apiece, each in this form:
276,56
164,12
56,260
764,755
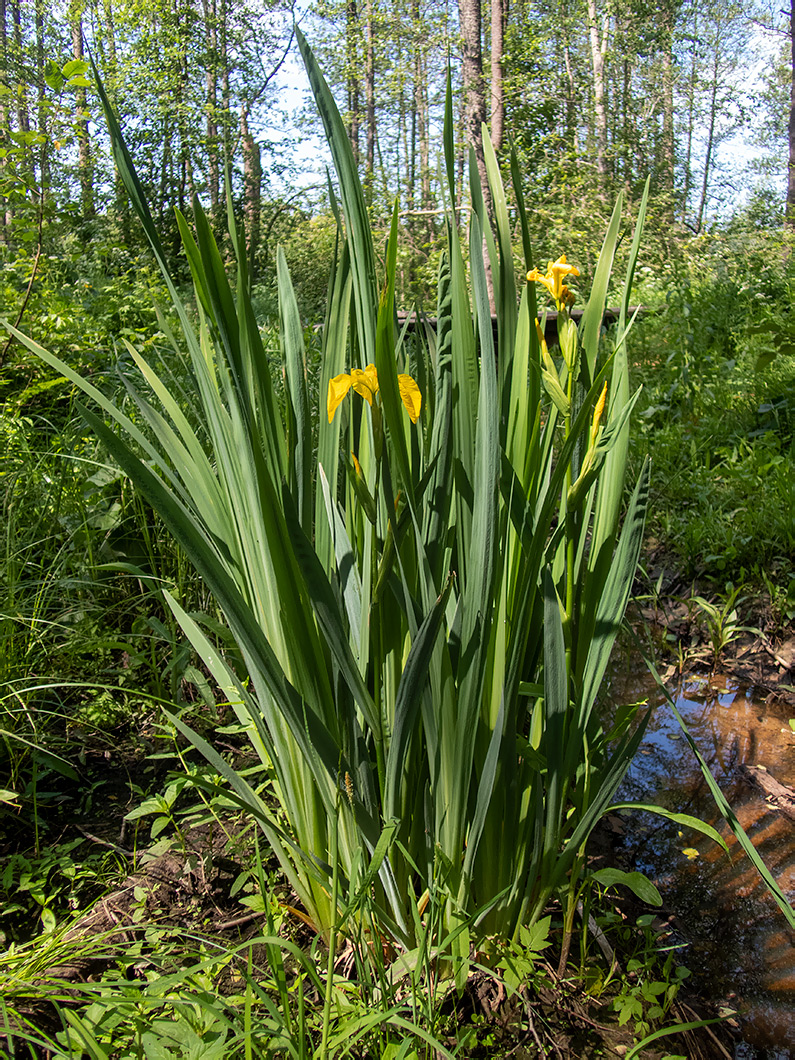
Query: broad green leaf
506,310
395,415
685,819
638,883
53,76
614,595
440,454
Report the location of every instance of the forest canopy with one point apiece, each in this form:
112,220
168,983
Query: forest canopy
594,97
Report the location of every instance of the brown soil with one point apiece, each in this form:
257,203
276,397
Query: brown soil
760,652
188,890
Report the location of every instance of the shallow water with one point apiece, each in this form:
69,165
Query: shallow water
739,946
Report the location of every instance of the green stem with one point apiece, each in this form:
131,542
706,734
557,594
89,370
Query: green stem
378,701
332,940
568,917
35,788
569,542
379,638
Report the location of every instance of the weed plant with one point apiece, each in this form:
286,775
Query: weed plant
718,414
85,641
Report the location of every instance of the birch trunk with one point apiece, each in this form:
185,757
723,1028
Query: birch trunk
600,113
790,215
498,12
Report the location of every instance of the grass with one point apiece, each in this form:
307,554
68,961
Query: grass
721,429
175,982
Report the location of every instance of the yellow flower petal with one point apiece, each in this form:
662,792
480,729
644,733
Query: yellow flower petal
411,396
597,413
338,387
557,271
690,853
365,382
553,280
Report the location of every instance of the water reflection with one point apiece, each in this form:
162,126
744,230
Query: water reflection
739,946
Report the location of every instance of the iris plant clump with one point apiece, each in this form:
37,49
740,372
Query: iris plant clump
424,625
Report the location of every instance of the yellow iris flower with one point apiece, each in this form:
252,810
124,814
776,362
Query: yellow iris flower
553,279
597,414
365,382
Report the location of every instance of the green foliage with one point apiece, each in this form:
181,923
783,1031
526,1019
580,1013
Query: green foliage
722,620
646,987
518,959
25,149
48,887
85,641
721,431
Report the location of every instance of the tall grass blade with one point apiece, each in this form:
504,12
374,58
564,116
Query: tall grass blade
591,322
362,254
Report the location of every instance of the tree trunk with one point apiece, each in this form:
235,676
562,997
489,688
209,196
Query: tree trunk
475,109
627,136
211,120
6,215
181,105
474,94
412,159
252,188
498,13
41,108
23,121
352,75
424,143
110,31
790,216
668,108
81,115
691,121
420,148
710,144
226,105
120,200
600,114
571,95
369,93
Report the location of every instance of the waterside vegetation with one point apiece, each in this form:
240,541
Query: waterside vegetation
341,601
